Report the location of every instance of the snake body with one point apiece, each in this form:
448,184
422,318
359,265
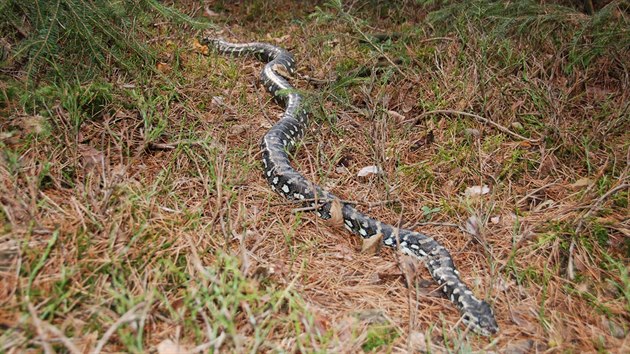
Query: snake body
283,136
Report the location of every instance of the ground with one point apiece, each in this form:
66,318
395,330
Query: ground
136,217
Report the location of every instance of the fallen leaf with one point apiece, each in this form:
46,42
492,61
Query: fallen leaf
473,225
167,346
33,124
336,214
200,48
371,316
239,129
396,115
163,67
341,169
476,190
409,267
471,132
209,13
372,245
520,347
417,342
547,203
217,101
368,170
282,39
582,182
90,156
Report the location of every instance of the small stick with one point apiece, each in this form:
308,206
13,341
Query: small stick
48,349
127,317
478,117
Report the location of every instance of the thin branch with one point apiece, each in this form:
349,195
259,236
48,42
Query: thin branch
478,117
41,333
129,316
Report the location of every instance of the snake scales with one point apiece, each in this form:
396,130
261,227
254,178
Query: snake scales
284,135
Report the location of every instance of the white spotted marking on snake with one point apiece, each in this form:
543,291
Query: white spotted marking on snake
293,124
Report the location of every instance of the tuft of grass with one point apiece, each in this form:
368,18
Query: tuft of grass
379,337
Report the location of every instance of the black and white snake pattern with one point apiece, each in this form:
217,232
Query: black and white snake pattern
283,137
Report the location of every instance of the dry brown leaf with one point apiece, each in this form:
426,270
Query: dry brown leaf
371,316
336,215
90,156
282,39
200,48
396,115
520,347
163,67
409,267
372,245
582,182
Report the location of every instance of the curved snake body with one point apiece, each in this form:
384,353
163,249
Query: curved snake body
285,180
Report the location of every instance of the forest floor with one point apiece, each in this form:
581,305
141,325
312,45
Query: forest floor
501,130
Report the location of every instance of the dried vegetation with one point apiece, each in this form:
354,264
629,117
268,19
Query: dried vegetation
135,217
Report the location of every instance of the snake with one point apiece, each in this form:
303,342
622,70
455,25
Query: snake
282,139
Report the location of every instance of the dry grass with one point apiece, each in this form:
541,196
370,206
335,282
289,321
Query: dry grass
152,221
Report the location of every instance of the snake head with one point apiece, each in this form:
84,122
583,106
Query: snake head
480,319
209,41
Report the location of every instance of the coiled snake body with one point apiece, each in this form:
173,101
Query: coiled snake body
284,135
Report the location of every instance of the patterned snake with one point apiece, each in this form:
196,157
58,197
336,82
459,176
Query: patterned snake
285,180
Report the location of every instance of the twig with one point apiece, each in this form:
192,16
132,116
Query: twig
601,199
65,340
48,349
173,145
437,39
478,117
127,317
534,192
